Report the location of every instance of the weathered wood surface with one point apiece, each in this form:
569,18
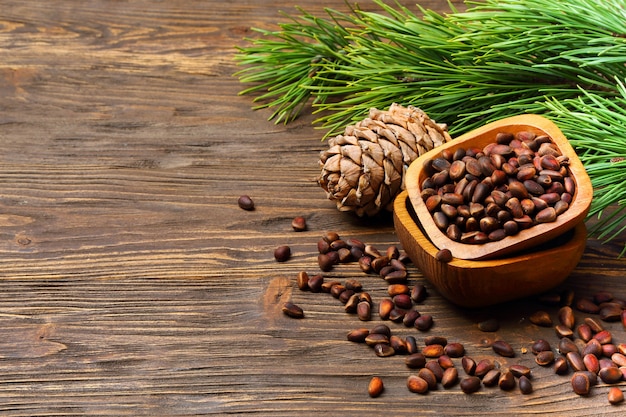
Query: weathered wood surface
132,284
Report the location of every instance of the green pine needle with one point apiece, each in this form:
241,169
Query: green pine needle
563,59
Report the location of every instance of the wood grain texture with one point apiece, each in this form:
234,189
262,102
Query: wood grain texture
132,284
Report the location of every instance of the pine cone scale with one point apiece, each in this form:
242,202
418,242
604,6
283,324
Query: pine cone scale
350,171
353,152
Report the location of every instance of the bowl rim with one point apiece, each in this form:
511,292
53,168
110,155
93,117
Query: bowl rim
535,235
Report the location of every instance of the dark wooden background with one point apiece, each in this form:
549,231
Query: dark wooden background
132,284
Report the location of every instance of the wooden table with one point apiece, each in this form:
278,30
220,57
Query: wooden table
132,284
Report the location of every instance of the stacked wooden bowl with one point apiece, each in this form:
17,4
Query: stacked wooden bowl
530,262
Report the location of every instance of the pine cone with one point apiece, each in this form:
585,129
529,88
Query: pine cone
363,169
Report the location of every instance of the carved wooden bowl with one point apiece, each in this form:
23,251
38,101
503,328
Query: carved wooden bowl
527,238
479,283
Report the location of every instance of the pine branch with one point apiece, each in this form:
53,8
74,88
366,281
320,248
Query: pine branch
283,63
465,59
564,59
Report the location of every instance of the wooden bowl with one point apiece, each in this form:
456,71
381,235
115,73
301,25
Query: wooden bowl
527,238
471,283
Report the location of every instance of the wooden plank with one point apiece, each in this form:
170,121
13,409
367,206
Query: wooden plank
132,284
